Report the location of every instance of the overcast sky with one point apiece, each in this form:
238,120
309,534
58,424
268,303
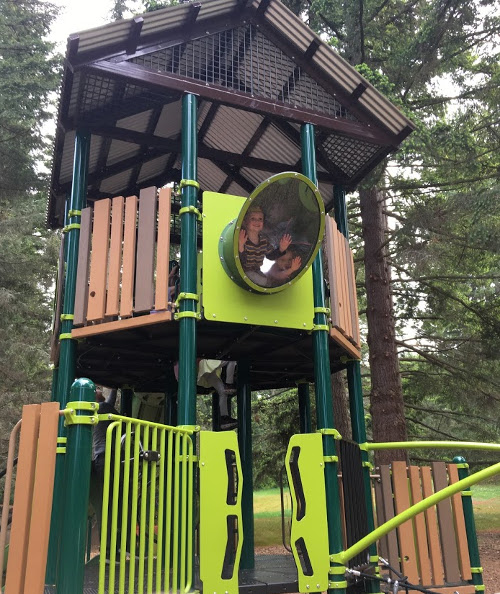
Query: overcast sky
78,15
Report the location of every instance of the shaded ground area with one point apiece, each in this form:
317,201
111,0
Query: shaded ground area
489,553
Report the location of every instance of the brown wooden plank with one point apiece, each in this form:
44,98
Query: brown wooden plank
42,497
115,257
383,549
446,526
331,229
124,324
355,328
407,550
460,530
432,529
99,261
420,527
144,276
351,289
82,271
128,271
388,511
163,249
23,498
346,344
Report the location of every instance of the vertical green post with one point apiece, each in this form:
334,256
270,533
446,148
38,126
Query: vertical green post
76,495
470,526
171,398
67,353
304,407
245,445
323,387
186,413
356,393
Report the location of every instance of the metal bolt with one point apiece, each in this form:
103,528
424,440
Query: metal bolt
245,318
275,321
213,316
203,463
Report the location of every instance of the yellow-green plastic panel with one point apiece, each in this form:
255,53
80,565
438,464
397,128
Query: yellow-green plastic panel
309,521
225,301
215,509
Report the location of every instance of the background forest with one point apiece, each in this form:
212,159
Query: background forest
425,227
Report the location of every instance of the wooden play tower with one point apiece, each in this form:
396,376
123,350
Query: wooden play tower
173,127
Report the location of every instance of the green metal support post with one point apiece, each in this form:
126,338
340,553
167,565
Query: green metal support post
171,398
247,560
323,387
356,395
186,413
76,494
470,526
67,353
304,407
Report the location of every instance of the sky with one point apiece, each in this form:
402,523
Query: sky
78,15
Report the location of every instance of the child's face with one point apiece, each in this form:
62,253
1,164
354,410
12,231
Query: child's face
255,222
284,262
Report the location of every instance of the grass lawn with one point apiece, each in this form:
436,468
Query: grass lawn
267,512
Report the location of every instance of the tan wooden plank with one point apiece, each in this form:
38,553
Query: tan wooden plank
163,249
407,550
340,339
126,323
345,248
424,563
339,279
446,526
355,328
23,498
128,271
388,513
99,261
144,275
331,230
115,257
42,497
343,284
432,528
351,289
56,326
82,271
460,530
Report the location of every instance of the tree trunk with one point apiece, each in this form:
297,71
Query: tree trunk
386,397
341,405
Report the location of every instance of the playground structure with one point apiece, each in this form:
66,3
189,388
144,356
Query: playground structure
172,127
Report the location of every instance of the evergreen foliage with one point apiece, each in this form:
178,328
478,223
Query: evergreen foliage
28,76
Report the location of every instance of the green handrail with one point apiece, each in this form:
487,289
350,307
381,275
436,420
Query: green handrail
396,445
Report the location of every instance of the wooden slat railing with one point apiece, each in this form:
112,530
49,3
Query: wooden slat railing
123,263
343,298
29,536
432,548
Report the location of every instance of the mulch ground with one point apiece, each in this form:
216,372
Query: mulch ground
489,553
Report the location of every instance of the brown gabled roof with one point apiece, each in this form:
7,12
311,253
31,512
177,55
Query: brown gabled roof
259,72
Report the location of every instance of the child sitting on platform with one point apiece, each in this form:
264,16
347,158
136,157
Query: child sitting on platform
254,246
